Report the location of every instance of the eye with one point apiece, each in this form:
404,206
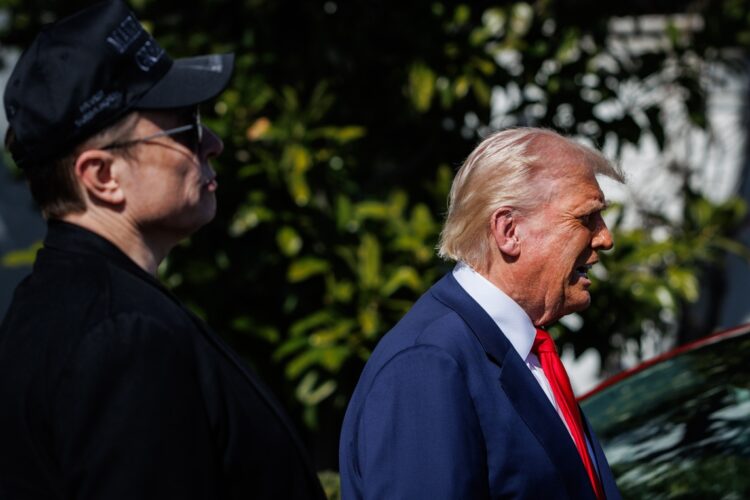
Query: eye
586,219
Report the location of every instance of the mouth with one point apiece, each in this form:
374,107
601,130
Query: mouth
211,184
583,271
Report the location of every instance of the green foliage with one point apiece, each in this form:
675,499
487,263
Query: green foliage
331,484
342,128
21,258
367,279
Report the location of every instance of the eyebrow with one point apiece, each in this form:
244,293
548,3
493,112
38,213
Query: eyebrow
600,206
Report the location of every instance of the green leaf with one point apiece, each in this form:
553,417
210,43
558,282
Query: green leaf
397,202
247,325
685,282
331,484
290,346
421,86
462,14
485,66
319,318
333,357
341,135
306,267
21,258
568,51
330,358
247,218
371,210
369,320
461,86
403,276
340,291
368,262
299,188
301,363
289,241
344,213
328,336
311,394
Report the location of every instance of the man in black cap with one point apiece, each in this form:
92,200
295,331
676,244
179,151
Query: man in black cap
109,387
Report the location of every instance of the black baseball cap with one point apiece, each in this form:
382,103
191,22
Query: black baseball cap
84,72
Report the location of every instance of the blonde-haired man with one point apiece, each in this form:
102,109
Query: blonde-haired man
466,397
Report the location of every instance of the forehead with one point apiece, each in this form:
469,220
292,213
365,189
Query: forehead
573,188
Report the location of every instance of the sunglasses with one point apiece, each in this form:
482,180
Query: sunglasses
191,135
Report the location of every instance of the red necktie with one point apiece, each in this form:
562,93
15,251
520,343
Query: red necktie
544,348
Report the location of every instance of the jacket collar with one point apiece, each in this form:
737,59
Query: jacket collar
73,238
489,335
519,385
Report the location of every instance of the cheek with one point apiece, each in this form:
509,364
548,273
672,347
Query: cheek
166,192
189,176
178,181
576,243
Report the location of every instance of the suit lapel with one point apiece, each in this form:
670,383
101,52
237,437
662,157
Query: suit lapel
520,386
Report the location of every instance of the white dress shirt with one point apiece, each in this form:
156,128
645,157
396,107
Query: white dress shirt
512,321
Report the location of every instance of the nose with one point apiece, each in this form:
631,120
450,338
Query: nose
211,146
602,237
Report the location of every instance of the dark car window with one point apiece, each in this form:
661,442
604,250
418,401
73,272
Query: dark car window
680,428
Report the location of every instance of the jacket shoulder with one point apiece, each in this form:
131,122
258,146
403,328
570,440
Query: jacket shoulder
428,323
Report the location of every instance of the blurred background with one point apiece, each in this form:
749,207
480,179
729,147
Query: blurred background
345,123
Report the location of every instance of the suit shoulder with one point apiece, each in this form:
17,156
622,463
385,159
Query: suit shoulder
69,294
429,333
429,324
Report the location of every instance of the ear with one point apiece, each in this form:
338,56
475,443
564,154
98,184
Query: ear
95,169
504,229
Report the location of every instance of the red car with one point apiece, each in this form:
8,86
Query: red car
678,426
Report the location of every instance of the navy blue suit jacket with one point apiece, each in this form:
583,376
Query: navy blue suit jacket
447,409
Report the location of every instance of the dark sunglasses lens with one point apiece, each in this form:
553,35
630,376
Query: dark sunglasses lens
198,129
192,137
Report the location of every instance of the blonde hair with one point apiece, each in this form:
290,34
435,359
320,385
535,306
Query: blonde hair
499,172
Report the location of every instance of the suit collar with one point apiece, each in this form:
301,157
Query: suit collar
519,385
504,311
450,293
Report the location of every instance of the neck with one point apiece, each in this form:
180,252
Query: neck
518,287
146,252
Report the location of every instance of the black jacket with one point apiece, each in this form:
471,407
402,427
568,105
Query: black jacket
111,389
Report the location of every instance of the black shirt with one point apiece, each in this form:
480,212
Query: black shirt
110,388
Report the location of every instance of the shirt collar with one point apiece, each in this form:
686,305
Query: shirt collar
504,311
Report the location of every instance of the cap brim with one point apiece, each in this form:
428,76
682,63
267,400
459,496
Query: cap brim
189,81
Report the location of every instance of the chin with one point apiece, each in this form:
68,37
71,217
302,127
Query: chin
578,304
200,222
203,214
184,226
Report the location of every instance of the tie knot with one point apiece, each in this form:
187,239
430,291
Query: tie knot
543,343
